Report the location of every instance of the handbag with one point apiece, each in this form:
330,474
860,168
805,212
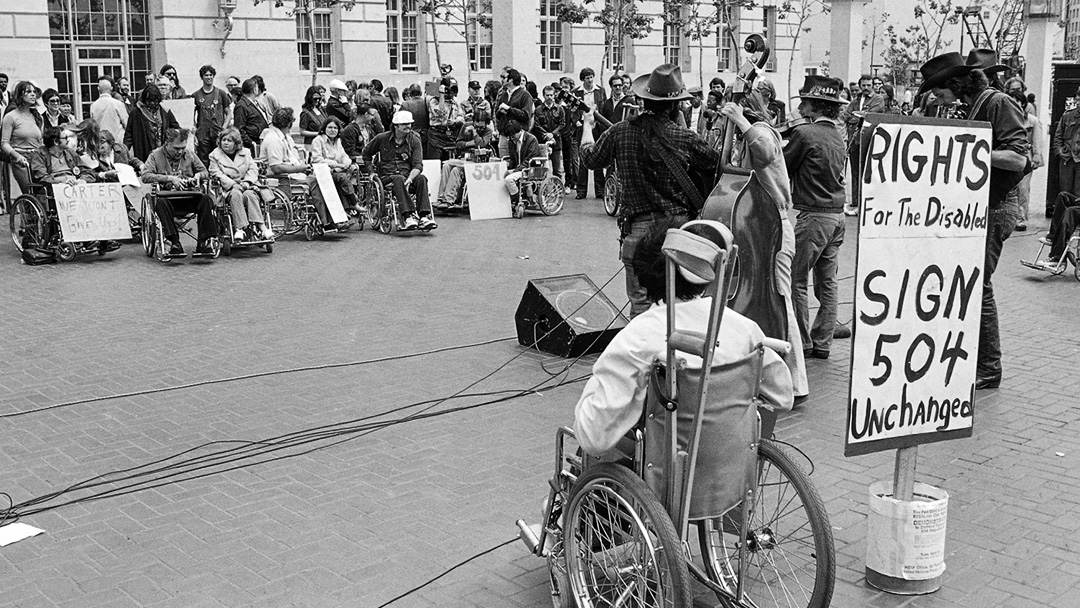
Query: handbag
31,256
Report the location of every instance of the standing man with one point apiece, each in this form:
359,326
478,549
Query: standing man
570,142
123,93
594,97
549,124
212,106
866,101
951,80
108,112
815,162
248,118
649,148
514,105
1067,146
5,97
338,105
381,102
475,102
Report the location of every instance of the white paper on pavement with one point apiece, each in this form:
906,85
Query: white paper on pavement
13,533
330,193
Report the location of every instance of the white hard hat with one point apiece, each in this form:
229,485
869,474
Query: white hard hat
402,117
337,84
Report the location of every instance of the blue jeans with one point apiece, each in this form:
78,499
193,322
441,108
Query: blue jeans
632,232
1000,224
818,237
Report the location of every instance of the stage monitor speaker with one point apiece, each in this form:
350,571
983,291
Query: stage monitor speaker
567,316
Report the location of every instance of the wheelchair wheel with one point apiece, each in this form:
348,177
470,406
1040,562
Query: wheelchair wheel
160,248
65,251
27,223
790,558
611,194
549,196
226,247
621,548
269,247
146,229
374,199
279,214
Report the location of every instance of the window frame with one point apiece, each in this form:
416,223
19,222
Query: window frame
316,47
397,43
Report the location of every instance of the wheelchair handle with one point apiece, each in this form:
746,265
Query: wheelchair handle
692,342
782,347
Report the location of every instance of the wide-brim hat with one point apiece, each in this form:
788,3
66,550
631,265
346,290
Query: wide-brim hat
822,88
665,83
941,68
986,60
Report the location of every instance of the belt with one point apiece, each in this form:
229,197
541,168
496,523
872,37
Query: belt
656,215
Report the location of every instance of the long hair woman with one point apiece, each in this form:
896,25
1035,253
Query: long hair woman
20,132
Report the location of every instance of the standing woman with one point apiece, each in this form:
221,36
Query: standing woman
147,124
327,149
312,116
20,132
53,116
231,163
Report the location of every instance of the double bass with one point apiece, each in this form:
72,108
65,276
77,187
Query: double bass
739,202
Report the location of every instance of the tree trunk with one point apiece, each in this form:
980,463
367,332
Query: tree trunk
435,40
311,41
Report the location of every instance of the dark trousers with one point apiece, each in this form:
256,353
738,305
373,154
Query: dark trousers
1000,224
583,181
396,184
1069,177
570,161
168,205
1063,223
204,145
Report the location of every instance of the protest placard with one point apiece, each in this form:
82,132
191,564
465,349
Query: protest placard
183,110
918,282
325,179
91,212
488,197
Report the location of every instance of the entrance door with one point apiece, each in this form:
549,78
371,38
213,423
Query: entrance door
92,64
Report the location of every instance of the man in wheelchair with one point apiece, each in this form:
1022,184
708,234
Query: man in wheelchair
613,400
523,148
474,138
179,172
399,168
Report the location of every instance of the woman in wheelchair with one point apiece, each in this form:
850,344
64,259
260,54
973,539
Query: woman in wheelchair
232,165
614,397
110,153
179,172
327,148
283,162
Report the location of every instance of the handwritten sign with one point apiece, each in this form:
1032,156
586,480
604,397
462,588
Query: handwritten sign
91,212
488,197
918,290
329,192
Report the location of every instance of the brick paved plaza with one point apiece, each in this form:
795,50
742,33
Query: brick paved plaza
369,515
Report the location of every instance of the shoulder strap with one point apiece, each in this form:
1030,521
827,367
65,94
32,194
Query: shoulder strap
697,201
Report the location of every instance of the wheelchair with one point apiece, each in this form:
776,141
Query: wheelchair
1071,255
227,229
616,531
382,212
540,189
35,227
152,232
478,155
612,192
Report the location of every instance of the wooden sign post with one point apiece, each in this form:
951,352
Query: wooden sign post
918,297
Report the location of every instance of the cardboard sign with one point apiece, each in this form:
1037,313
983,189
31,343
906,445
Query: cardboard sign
325,178
91,212
488,197
433,172
918,282
183,110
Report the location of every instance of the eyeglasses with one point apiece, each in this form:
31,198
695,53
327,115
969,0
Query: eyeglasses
52,101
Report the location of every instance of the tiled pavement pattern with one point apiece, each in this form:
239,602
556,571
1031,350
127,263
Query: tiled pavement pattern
360,522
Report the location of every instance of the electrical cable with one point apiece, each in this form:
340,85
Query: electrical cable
447,571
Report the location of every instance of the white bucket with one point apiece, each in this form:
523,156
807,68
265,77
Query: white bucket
905,541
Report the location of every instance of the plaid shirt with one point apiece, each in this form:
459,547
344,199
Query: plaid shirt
648,186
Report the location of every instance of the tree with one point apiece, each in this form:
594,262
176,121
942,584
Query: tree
307,8
456,14
897,58
926,37
797,13
620,20
697,20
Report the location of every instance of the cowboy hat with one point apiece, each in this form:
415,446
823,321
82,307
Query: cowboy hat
941,68
986,60
665,83
822,88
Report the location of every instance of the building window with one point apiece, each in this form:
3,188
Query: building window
672,42
551,37
402,35
480,40
727,35
768,29
315,39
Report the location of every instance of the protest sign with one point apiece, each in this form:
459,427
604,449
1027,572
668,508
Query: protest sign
91,212
918,282
183,110
329,193
488,197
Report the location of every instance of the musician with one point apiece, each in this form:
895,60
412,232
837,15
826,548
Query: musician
612,400
549,123
951,80
815,162
760,148
649,149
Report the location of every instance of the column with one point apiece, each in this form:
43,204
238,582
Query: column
845,50
515,36
1039,55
